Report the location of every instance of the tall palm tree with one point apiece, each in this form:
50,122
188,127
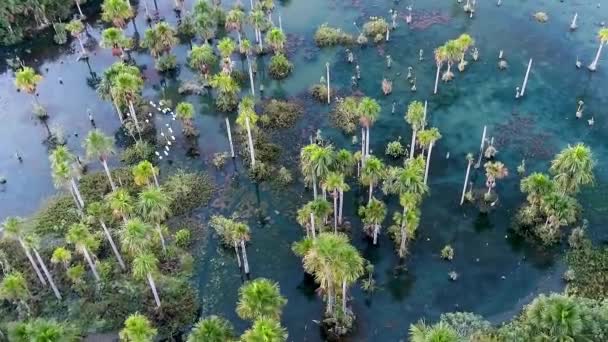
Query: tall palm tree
98,212
27,80
537,185
135,237
314,211
441,56
276,39
226,47
464,42
233,234
61,256
260,298
556,318
315,162
494,171
415,117
14,229
116,12
235,19
137,329
559,209
368,110
85,243
202,59
115,39
154,205
427,138
227,89
247,118
64,173
100,146
602,36
212,329
573,168
126,89
267,330
452,51
33,242
408,220
372,172
470,161
121,203
160,39
259,21
185,112
440,332
351,268
145,265
373,214
335,182
344,162
143,172
408,179
13,287
76,27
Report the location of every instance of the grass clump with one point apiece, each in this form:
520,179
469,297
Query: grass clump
138,152
330,36
189,190
280,67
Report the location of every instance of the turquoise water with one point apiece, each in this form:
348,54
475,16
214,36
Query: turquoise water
498,273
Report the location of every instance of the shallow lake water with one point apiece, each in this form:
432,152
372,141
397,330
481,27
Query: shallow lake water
498,272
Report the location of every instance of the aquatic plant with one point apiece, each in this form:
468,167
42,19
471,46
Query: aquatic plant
280,67
281,114
329,36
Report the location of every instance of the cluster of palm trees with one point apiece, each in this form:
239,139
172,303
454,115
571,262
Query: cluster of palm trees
233,234
449,53
551,203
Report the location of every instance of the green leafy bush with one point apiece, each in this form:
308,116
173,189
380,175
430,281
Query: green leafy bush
281,114
330,36
280,67
182,238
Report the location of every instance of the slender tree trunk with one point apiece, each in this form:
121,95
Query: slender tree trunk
77,192
91,264
154,292
108,235
75,199
118,111
330,306
251,77
134,117
328,86
312,226
341,206
84,51
466,180
403,234
362,142
251,151
344,296
236,250
371,191
230,137
367,142
162,238
428,163
245,260
335,195
105,167
31,259
314,185
413,144
48,274
437,78
155,179
593,65
376,230
79,9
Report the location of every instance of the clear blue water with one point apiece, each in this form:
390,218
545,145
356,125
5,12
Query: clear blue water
498,273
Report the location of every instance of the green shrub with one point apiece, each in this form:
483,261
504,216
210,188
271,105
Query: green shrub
330,36
219,159
281,114
284,177
94,186
589,266
375,28
345,116
395,149
260,172
166,63
188,190
57,214
280,67
319,92
447,253
137,153
182,238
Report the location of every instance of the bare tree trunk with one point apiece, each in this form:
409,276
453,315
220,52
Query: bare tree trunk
593,65
403,234
367,142
437,78
312,226
335,195
91,264
106,231
245,260
341,206
31,259
376,230
428,163
344,296
48,274
466,180
413,144
77,192
314,186
236,250
371,192
251,151
154,292
162,238
105,167
79,9
118,111
155,179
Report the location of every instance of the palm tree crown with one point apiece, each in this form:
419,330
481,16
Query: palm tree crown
27,80
137,329
573,168
212,329
260,298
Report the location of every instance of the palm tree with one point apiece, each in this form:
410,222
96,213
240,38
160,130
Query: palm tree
185,112
266,330
154,205
33,242
537,185
259,21
373,214
99,145
344,161
470,161
160,39
143,172
63,172
556,318
573,168
335,182
452,51
427,138
41,329
14,229
227,89
233,234
205,20
441,56
409,179
76,27
84,242
135,237
440,332
464,42
314,211
368,110
98,212
212,329
372,172
202,59
315,162
408,220
260,298
559,209
145,265
276,39
234,22
602,36
415,117
121,203
247,118
27,80
61,256
226,47
126,89
494,171
115,39
116,12
13,287
137,329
